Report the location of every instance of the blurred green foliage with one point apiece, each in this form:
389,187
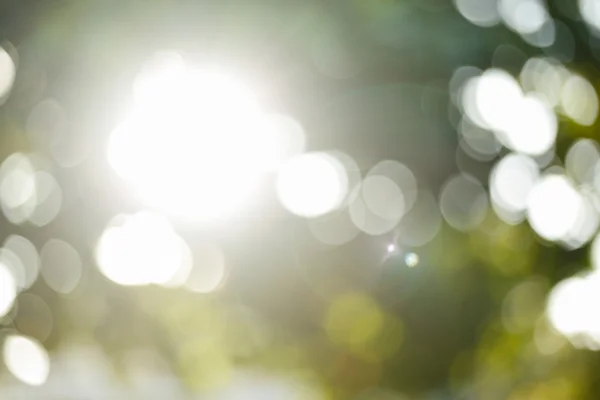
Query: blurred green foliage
463,323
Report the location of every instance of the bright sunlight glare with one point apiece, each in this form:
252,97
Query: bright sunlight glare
195,143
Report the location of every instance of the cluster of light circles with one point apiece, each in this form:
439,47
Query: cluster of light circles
528,18
8,72
571,309
143,249
24,357
349,203
194,147
27,193
19,269
571,306
520,121
521,115
560,204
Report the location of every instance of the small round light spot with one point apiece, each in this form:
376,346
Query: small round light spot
411,260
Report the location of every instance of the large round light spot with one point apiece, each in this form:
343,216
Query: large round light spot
553,207
26,359
572,309
531,128
8,72
140,249
495,99
312,184
510,183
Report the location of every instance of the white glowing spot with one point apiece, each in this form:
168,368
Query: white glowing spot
590,11
312,184
463,202
61,266
572,309
511,182
581,160
479,12
391,248
411,260
496,99
524,123
17,188
26,359
523,16
8,71
553,207
209,273
532,128
21,256
579,100
191,146
140,249
8,289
